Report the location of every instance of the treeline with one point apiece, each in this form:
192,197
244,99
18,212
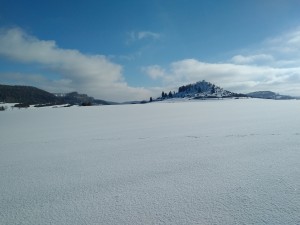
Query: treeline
167,95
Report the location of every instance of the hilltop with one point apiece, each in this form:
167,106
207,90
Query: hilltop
200,90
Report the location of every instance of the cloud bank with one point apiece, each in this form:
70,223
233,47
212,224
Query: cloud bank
91,74
274,66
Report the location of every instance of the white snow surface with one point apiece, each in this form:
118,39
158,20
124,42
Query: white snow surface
200,162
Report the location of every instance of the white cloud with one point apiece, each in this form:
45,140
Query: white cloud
286,45
282,50
154,72
141,35
147,34
252,59
91,74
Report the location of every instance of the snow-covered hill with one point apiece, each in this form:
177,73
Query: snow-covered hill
201,89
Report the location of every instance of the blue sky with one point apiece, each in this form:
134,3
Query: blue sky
131,50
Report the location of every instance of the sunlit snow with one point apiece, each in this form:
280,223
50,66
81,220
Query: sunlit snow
202,162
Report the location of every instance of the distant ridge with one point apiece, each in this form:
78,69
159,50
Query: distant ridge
269,95
25,94
76,98
35,96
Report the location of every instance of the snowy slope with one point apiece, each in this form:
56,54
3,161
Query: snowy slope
207,162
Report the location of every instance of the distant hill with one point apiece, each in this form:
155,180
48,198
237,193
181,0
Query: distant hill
76,98
269,95
35,96
25,94
200,90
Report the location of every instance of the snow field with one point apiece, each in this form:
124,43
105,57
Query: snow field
200,162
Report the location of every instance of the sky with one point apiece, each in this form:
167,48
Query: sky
131,50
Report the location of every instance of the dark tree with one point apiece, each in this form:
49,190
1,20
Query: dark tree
213,89
164,95
151,99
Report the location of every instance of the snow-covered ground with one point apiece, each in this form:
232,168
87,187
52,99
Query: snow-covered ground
200,162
